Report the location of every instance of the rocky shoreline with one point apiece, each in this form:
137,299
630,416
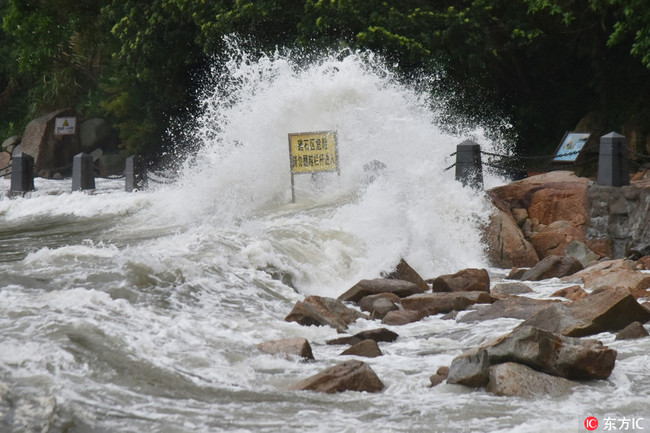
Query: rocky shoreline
541,228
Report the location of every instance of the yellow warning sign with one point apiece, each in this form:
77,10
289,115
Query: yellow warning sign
313,152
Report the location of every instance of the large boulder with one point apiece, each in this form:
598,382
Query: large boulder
607,310
365,288
346,376
289,347
444,302
465,280
614,273
403,271
549,198
572,358
321,311
517,380
553,267
52,153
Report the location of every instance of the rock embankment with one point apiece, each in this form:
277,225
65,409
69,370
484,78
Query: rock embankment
541,229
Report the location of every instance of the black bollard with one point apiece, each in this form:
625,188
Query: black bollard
613,164
469,169
134,173
83,172
22,174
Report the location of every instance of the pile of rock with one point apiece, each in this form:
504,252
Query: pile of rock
540,229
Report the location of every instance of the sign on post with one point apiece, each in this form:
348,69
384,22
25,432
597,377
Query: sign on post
312,152
571,146
65,125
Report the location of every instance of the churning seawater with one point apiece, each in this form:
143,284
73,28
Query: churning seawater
141,312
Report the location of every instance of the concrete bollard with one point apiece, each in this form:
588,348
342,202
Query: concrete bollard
134,173
22,174
613,164
83,172
469,169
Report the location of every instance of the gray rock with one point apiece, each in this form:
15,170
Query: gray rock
470,369
607,310
512,379
581,252
553,267
571,358
632,331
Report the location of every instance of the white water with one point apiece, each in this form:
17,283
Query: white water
141,312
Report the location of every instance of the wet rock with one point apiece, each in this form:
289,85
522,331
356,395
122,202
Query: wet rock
582,253
290,346
405,272
632,331
607,310
471,369
440,376
515,308
347,376
466,280
507,245
321,311
379,305
402,317
614,273
381,285
434,303
552,267
571,358
510,289
367,348
512,379
573,293
380,334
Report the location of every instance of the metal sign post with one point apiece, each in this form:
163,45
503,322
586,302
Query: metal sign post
312,152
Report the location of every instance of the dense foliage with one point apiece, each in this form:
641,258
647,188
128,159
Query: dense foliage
541,64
